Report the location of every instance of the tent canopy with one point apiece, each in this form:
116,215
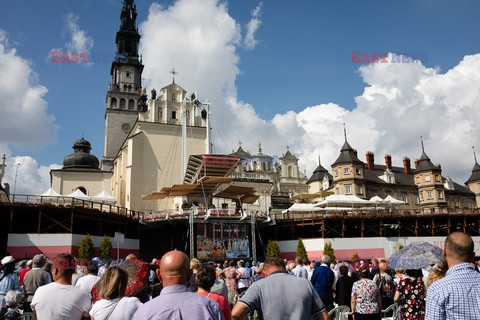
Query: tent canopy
104,197
78,194
302,207
49,193
343,201
392,200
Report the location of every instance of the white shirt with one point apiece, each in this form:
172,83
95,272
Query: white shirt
243,282
125,308
87,282
60,301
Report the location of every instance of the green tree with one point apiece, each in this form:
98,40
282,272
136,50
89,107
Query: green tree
301,251
106,248
273,249
355,256
328,250
87,249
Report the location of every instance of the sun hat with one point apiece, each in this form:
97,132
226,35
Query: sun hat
7,260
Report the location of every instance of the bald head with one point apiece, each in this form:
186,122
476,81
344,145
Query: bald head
459,247
175,268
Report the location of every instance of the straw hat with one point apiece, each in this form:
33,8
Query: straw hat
7,260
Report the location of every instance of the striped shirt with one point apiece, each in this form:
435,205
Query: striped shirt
457,296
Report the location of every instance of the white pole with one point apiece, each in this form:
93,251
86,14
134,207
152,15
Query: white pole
15,182
208,130
184,139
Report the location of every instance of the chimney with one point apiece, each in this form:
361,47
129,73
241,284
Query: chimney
388,161
356,152
406,165
439,166
416,163
370,160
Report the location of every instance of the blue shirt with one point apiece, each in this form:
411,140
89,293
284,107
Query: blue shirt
176,302
457,296
9,282
322,279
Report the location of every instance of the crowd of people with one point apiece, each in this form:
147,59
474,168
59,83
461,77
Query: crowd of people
176,287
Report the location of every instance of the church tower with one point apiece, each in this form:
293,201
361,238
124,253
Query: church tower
473,182
124,96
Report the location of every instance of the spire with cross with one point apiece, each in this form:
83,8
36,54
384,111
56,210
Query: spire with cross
345,131
173,72
474,154
421,141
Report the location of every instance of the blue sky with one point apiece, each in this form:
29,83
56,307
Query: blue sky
294,84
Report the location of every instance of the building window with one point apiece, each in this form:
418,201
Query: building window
160,114
404,198
348,189
346,171
437,178
440,194
336,173
357,171
289,171
113,103
174,98
131,104
420,195
417,200
129,88
429,195
122,103
427,178
128,74
464,202
455,202
337,191
359,189
174,114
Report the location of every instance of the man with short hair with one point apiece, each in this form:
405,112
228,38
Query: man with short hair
299,270
269,296
35,278
175,301
322,280
457,295
60,300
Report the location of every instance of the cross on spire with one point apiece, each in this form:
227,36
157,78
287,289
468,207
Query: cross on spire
421,141
345,131
173,72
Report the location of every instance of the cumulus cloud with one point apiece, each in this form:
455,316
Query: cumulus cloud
24,175
22,101
400,102
250,42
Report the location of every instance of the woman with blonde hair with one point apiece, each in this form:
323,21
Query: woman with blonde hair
435,274
113,303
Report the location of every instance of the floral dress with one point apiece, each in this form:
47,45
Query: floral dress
366,293
412,298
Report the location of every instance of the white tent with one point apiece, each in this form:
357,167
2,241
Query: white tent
78,194
48,196
104,197
342,201
392,200
302,207
377,199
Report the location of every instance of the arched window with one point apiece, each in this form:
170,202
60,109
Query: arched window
174,98
113,103
129,87
122,103
82,189
131,104
264,166
289,171
124,87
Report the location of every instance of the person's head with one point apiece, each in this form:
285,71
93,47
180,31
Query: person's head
241,264
195,264
383,266
343,270
231,263
154,261
47,266
414,273
131,256
434,275
30,264
363,273
114,283
326,259
13,298
305,262
39,261
63,267
259,269
175,269
298,261
273,264
205,276
8,263
290,266
458,248
22,264
374,263
317,264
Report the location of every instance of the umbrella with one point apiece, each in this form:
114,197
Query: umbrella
392,200
416,256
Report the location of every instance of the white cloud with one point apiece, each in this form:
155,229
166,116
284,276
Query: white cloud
22,101
250,42
400,101
79,42
30,177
